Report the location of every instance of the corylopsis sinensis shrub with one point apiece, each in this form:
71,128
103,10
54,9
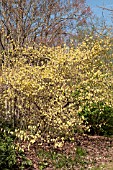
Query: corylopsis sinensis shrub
41,84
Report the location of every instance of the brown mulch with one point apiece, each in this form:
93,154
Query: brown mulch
99,151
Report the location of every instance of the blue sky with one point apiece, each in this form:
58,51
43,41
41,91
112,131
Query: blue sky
98,11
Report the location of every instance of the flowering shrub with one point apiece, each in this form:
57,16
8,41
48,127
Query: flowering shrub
40,85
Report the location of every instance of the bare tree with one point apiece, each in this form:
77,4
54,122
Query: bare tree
40,21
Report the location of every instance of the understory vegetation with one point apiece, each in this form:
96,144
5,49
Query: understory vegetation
48,95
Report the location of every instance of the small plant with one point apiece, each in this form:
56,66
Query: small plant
80,151
24,161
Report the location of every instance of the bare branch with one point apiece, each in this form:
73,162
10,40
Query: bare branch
104,8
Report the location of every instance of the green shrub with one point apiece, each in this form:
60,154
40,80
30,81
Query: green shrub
7,151
98,118
10,157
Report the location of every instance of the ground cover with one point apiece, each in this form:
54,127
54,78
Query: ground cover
85,152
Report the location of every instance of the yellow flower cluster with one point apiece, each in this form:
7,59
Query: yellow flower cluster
40,83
